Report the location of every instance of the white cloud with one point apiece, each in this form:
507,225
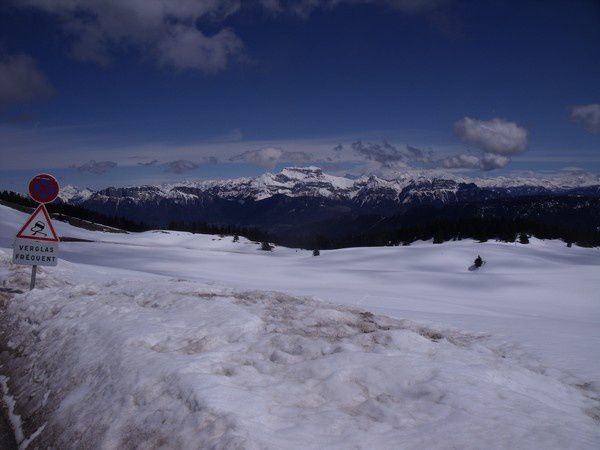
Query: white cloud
269,157
411,6
497,139
588,116
573,169
493,136
389,155
149,163
265,157
21,81
461,161
303,8
96,167
188,48
180,166
491,161
183,165
234,135
487,161
165,30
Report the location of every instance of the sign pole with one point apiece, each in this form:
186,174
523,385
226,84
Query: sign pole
33,272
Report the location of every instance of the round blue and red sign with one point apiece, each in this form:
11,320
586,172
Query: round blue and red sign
43,188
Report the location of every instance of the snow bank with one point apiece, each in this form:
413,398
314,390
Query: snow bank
126,362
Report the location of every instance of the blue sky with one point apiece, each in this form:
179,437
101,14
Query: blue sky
111,92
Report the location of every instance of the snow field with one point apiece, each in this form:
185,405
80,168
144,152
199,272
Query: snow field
544,296
136,361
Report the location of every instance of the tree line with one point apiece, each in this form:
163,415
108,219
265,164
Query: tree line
575,221
250,233
64,210
442,230
78,212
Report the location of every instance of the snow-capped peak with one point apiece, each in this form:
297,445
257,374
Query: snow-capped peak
74,194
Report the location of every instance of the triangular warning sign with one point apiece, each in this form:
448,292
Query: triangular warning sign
38,227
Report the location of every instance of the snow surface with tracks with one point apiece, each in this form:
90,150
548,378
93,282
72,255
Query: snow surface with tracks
173,340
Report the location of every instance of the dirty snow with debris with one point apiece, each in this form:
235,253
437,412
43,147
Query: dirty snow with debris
143,363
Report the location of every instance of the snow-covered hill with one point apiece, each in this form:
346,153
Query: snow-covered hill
173,340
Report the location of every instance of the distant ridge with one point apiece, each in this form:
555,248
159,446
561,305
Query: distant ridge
313,182
303,206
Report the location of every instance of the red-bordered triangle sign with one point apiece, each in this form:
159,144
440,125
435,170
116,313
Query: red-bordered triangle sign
38,227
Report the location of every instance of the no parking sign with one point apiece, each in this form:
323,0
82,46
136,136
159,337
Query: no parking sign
36,243
43,188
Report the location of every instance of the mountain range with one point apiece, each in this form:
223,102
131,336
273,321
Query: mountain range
305,201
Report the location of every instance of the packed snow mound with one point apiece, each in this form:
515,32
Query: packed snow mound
125,362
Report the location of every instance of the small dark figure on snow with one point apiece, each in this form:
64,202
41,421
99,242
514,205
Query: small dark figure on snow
266,247
316,252
478,262
236,238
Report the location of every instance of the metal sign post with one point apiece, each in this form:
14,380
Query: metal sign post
33,272
36,243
